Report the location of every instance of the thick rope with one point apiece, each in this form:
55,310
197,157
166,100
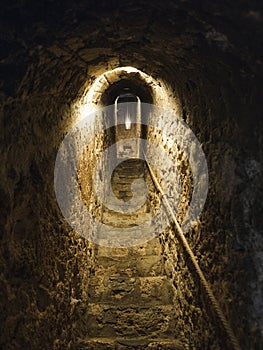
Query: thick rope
228,329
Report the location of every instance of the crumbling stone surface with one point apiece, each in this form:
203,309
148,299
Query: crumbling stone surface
208,53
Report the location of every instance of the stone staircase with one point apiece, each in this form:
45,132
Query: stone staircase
130,297
122,180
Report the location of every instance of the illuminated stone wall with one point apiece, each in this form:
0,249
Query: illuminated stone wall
208,56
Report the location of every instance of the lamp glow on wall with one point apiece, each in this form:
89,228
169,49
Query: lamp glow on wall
127,121
90,99
127,114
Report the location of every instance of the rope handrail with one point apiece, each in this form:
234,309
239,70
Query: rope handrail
226,325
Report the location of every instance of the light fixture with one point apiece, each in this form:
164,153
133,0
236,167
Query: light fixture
127,121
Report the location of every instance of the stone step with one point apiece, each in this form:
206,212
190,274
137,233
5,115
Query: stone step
113,320
119,221
132,236
139,343
141,266
128,173
131,163
142,290
152,247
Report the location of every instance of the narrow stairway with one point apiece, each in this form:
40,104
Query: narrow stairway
130,297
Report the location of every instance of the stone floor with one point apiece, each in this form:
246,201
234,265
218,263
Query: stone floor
131,299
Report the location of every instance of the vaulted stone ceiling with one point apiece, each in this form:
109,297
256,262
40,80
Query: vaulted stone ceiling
209,55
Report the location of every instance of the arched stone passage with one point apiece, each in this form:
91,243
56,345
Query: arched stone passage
108,85
207,55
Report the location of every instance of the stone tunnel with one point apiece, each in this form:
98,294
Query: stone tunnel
200,62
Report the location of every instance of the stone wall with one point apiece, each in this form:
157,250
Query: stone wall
208,53
228,231
44,264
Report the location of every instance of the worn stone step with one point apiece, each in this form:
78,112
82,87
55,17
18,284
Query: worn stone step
113,320
143,290
129,344
125,220
141,266
128,174
133,236
152,247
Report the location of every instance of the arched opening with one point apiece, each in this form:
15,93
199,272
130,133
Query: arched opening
107,86
131,85
127,114
202,61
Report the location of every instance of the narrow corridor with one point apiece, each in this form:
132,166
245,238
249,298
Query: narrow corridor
131,298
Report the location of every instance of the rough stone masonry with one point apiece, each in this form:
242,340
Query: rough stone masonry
209,54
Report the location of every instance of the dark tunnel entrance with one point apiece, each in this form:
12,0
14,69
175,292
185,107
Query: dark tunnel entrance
61,61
